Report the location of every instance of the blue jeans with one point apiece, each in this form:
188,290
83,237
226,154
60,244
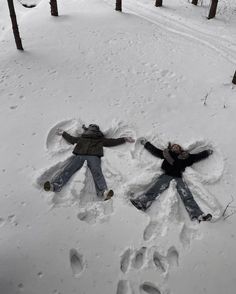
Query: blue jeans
161,185
74,164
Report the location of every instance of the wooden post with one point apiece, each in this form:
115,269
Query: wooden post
14,25
234,78
213,8
54,10
158,3
194,2
118,5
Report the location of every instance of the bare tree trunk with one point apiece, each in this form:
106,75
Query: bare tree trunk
118,5
158,3
194,2
14,25
54,10
213,9
234,78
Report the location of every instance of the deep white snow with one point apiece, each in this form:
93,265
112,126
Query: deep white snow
160,73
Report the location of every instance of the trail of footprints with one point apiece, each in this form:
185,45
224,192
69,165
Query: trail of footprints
136,259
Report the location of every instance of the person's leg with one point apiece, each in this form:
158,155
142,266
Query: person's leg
94,164
190,204
144,201
75,163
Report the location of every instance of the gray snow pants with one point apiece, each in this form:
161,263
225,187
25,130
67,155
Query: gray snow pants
162,184
74,164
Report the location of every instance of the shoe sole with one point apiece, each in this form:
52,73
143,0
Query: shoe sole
47,186
136,205
109,195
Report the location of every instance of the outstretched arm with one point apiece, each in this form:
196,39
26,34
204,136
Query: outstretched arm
154,150
70,139
199,156
110,142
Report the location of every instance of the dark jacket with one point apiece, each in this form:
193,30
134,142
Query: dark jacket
91,146
177,168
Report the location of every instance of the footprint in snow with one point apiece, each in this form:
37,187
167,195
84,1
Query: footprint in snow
160,262
125,260
76,262
139,258
124,287
149,288
173,256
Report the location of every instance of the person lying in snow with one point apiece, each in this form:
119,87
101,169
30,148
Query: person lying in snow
174,164
89,147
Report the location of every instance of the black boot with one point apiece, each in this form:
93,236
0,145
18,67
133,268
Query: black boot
205,217
47,186
138,204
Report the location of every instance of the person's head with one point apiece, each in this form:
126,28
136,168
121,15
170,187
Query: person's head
93,127
175,148
92,130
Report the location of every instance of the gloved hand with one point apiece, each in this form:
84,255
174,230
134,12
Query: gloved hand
143,141
210,151
129,139
59,132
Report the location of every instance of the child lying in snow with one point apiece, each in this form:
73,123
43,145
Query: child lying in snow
89,147
174,164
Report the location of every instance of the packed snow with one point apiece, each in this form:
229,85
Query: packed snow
160,73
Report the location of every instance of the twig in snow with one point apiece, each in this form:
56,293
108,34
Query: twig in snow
227,206
206,96
205,99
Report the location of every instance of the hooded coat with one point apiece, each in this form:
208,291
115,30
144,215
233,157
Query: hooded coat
177,167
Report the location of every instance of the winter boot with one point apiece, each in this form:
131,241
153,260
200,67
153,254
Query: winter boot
47,186
107,194
138,204
205,217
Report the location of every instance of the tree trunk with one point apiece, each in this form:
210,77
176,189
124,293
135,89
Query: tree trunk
213,9
194,2
54,10
158,3
234,78
14,25
118,5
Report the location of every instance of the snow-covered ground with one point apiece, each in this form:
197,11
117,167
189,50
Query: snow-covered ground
163,73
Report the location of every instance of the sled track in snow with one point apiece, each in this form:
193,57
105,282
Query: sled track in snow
176,27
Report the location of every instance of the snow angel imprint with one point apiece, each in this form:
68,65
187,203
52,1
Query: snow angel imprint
175,161
88,147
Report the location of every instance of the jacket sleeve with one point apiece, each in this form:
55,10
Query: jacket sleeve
110,142
70,139
197,157
154,150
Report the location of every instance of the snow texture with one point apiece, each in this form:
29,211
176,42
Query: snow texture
159,73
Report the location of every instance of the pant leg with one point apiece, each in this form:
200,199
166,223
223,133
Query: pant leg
94,164
160,186
190,204
75,163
